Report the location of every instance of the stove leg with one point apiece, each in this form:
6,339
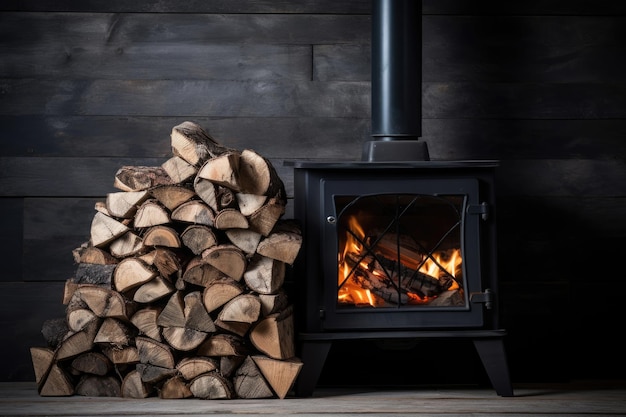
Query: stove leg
493,357
313,356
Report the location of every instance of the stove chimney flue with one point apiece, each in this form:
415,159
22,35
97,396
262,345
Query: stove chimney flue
396,82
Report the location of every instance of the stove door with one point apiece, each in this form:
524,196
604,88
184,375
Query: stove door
401,253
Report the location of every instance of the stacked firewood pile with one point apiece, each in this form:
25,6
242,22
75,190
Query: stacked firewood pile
179,291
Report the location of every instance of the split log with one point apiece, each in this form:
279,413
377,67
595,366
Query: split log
105,229
94,363
104,302
222,170
227,258
219,292
274,335
153,290
198,238
57,383
152,374
154,353
168,261
249,203
192,143
258,176
273,303
245,308
199,272
93,255
162,236
283,246
127,245
115,332
124,203
54,331
99,386
42,359
248,381
265,217
79,342
139,178
194,211
281,374
121,355
245,239
172,196
134,387
151,213
207,191
230,218
222,344
131,273
192,367
95,274
211,386
175,388
264,275
145,320
179,170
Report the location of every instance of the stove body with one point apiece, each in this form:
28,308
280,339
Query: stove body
375,261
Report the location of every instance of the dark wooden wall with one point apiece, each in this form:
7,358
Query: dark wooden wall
87,87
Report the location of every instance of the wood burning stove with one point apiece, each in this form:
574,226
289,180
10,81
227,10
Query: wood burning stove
396,246
397,250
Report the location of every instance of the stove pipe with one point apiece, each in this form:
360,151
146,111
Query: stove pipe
396,82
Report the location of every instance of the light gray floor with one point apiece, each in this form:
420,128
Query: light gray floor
582,399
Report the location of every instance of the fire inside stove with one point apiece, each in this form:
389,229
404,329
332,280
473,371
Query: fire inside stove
400,250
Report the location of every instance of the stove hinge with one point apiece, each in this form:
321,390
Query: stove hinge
482,209
485,297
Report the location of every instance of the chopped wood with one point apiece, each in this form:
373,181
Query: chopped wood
264,275
94,363
219,292
207,191
245,239
42,359
211,386
194,211
104,229
199,272
155,353
230,218
151,213
124,203
162,236
265,217
139,178
281,374
79,342
245,308
145,320
126,245
274,335
192,143
222,170
222,344
121,356
57,383
99,386
249,382
283,246
179,269
172,196
179,170
134,387
192,367
152,374
115,332
153,290
198,238
131,273
227,258
93,255
249,203
175,388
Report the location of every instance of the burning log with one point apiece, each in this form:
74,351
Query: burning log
178,293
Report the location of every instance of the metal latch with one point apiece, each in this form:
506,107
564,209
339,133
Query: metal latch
482,209
483,297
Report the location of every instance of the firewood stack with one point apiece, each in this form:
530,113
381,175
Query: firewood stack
178,293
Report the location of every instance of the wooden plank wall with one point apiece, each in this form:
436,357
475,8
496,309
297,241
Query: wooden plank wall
87,87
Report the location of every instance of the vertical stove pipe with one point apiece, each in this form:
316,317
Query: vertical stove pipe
396,82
